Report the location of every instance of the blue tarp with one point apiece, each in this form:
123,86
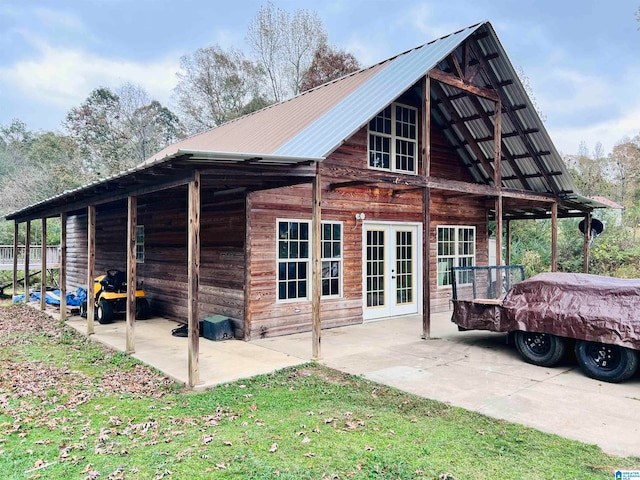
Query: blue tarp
52,297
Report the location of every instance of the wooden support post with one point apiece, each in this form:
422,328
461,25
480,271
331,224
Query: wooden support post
132,222
507,234
426,264
497,156
27,254
62,280
91,267
247,268
554,237
587,241
194,279
426,215
43,269
15,257
316,271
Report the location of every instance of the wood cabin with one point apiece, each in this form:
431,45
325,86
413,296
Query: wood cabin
348,203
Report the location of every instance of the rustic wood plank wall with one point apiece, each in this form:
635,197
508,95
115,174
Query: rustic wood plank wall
164,271
270,318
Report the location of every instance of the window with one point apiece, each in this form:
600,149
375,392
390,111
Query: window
140,244
331,259
294,259
456,248
393,139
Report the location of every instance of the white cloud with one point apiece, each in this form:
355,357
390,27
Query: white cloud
420,18
64,77
572,90
608,132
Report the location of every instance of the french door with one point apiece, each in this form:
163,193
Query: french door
391,269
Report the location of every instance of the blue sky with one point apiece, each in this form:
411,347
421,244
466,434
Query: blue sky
581,56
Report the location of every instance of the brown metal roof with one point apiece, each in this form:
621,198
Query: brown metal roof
267,129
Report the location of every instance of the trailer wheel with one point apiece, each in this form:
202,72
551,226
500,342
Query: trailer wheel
609,363
104,312
541,349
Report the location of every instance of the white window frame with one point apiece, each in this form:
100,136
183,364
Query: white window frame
333,259
393,137
457,256
139,243
307,260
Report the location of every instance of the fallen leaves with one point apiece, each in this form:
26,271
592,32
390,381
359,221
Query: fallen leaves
274,448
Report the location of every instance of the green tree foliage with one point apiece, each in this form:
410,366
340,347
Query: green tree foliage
216,86
328,64
118,130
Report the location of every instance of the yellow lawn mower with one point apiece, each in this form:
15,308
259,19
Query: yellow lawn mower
110,292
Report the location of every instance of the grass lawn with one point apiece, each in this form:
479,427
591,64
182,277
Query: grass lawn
71,409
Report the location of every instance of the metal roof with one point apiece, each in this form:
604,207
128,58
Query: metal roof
329,130
312,125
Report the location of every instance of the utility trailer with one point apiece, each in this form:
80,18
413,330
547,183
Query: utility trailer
599,317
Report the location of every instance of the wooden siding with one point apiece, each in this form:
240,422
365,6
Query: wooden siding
164,271
270,317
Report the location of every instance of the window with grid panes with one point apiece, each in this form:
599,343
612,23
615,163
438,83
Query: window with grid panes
456,248
393,139
140,244
294,267
293,259
331,259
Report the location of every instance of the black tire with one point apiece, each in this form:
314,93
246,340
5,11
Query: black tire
541,349
609,363
142,308
104,312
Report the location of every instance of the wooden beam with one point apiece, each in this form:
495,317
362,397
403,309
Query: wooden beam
62,279
497,166
91,267
247,267
27,254
426,128
453,81
586,242
426,265
426,217
517,124
15,258
554,237
316,271
498,203
132,223
193,313
466,134
43,264
507,226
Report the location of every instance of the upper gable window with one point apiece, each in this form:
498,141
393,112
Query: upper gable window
393,143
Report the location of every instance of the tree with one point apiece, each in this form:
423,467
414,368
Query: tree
217,86
118,130
589,171
284,46
328,64
624,169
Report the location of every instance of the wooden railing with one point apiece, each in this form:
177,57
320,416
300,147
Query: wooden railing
35,257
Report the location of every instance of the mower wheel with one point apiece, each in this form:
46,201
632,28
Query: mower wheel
104,312
142,308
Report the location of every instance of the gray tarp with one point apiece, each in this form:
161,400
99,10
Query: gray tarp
582,306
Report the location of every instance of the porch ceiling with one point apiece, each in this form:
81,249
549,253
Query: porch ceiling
529,159
224,171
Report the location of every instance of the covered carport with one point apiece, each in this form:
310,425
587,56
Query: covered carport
224,173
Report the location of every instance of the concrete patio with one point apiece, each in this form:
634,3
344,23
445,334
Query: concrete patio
473,370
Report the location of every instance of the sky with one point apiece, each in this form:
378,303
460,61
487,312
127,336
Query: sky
581,57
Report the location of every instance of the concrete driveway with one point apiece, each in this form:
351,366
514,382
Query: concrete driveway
479,372
473,370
